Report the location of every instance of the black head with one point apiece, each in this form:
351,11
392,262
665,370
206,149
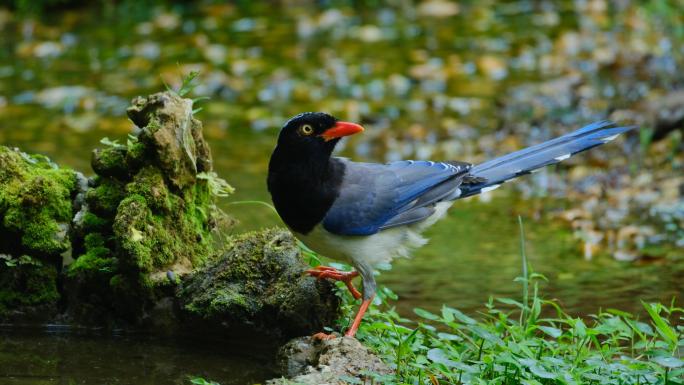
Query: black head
314,133
302,178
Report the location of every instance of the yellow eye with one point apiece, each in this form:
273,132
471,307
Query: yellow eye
306,129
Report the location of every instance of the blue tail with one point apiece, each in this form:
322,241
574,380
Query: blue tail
498,170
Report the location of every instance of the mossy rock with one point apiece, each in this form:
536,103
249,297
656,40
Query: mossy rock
35,205
149,183
35,215
175,136
28,289
105,197
151,242
146,212
258,285
110,161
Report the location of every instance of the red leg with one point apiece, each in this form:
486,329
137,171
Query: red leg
357,320
321,272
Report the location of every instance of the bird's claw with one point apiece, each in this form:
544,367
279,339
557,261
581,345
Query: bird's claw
323,336
321,272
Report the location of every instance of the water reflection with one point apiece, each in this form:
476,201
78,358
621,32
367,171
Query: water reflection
31,357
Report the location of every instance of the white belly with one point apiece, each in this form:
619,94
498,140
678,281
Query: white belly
374,249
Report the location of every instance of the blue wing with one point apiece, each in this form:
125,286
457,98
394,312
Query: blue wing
374,197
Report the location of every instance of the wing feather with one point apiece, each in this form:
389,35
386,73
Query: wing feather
375,197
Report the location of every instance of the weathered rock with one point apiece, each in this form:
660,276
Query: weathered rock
258,285
168,126
305,360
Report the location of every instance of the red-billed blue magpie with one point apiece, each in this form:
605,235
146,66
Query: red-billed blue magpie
367,213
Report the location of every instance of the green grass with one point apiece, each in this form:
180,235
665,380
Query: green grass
526,341
547,346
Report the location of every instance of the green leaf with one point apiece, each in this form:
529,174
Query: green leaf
447,315
540,371
425,314
457,314
551,331
619,313
579,328
449,337
111,143
389,293
486,335
439,356
217,185
668,362
187,86
538,276
509,301
661,324
202,381
644,328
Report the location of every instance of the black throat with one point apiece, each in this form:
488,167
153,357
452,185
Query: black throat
303,186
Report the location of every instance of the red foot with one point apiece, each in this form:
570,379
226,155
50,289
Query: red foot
323,336
321,272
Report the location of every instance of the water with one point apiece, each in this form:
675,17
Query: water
65,81
43,357
475,253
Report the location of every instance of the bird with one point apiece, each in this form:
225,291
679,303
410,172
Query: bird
366,214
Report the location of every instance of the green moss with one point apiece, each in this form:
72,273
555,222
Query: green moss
92,223
247,257
225,300
154,241
130,227
110,162
27,285
94,240
35,204
149,183
95,261
117,281
44,236
105,198
135,156
35,211
258,283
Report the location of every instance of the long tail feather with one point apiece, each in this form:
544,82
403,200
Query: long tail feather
498,170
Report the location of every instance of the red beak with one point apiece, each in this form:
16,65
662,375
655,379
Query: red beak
341,129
